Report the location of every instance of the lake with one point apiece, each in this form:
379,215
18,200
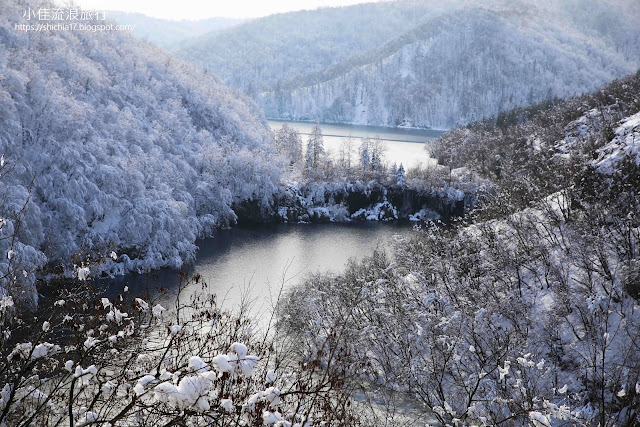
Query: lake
402,145
254,262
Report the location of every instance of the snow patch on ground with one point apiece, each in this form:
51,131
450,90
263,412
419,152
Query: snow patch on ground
626,144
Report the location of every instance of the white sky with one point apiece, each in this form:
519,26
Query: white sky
201,9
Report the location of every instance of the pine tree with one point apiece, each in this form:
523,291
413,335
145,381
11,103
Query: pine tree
315,147
345,153
365,156
401,178
289,144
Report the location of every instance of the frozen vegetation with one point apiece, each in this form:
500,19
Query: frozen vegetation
117,147
116,157
423,64
526,313
129,361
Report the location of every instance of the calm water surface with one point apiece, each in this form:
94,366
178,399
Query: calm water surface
253,263
406,146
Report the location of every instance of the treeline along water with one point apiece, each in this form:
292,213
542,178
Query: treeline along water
253,262
402,145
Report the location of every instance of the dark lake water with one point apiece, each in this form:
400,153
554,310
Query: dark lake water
255,262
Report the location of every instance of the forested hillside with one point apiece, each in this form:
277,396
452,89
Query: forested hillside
117,147
527,312
282,49
168,33
421,64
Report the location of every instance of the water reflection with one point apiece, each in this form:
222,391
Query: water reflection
255,262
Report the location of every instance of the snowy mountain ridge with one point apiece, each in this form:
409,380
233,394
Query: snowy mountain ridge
423,64
453,70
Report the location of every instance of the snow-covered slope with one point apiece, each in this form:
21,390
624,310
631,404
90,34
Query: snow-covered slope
289,48
119,147
456,69
436,64
624,146
168,33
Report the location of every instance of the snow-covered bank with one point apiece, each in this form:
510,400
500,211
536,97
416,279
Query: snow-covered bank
116,147
288,119
355,201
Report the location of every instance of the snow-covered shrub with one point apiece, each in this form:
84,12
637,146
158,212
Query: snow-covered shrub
84,361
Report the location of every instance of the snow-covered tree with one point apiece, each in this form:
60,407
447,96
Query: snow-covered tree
289,144
346,153
376,149
401,177
315,153
365,154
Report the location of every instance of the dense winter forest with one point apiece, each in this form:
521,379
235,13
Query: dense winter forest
117,146
521,307
426,64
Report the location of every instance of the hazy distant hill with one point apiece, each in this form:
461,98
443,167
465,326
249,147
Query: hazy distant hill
286,47
167,33
421,63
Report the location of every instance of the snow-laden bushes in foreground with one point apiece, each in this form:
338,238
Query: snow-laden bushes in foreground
86,361
501,323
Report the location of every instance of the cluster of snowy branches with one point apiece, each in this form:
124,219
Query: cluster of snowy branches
93,361
119,147
529,311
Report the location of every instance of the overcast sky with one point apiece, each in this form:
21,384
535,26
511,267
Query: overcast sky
201,9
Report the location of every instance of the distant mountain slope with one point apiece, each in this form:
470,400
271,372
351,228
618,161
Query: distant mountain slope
453,70
411,63
286,47
167,33
120,148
